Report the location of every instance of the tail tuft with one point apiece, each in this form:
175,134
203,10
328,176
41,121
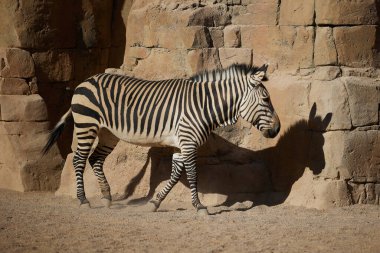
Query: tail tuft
53,137
56,132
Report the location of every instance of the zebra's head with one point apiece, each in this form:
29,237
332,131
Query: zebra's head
256,106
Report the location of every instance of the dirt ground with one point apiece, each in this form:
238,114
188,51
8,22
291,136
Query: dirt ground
42,222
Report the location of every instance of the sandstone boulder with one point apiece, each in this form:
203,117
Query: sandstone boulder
364,98
215,15
232,36
229,56
291,47
260,12
160,62
217,37
22,108
352,49
186,38
299,12
54,66
312,192
95,27
14,86
331,97
360,154
327,73
329,12
202,59
324,49
16,63
365,193
22,160
39,24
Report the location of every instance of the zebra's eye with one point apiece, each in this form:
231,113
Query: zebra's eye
265,96
253,82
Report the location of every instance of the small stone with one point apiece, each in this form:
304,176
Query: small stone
327,73
357,191
377,189
361,72
240,206
114,71
370,190
377,193
232,36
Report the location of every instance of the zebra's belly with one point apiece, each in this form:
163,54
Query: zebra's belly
165,140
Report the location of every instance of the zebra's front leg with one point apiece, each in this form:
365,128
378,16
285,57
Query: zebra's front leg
177,168
190,160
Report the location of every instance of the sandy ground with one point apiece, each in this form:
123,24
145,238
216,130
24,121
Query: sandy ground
42,222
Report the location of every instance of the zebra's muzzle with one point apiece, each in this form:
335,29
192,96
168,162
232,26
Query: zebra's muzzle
273,132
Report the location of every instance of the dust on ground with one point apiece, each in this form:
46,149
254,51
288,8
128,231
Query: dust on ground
42,222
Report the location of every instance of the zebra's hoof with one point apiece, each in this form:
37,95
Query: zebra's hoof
106,202
202,212
85,205
151,207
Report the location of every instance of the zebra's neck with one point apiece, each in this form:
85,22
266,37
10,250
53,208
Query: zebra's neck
223,95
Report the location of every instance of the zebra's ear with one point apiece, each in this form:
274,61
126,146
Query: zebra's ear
260,73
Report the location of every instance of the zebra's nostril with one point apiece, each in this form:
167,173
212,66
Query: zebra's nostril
274,131
277,128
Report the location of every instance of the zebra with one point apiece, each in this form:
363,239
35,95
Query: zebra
179,113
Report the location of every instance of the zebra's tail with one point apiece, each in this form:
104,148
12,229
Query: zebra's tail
57,131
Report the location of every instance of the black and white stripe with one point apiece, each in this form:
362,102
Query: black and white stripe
180,113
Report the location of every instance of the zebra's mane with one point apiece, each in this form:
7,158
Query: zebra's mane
218,74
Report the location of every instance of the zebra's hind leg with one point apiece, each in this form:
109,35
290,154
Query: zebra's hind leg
106,144
86,137
177,168
79,162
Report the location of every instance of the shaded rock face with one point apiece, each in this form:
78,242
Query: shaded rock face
48,47
323,80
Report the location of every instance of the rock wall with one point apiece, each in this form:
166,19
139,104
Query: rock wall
46,50
323,80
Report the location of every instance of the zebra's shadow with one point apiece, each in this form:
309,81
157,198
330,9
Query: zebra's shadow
263,176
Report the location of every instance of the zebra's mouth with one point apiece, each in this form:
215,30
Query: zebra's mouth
272,132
